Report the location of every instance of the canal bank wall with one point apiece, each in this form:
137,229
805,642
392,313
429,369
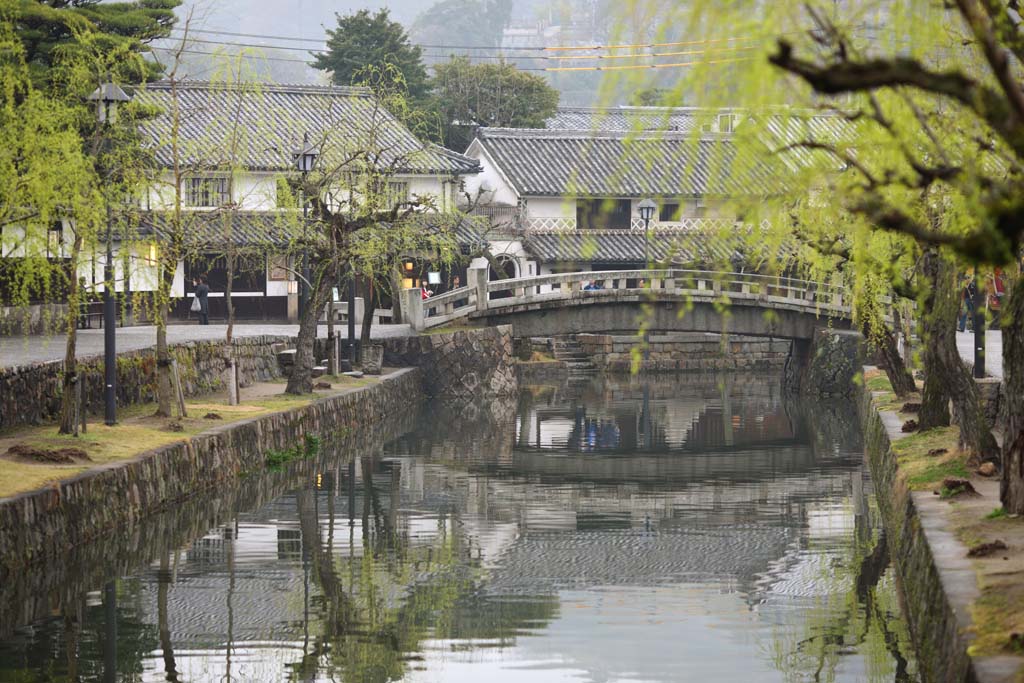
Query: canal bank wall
466,364
32,394
939,583
44,525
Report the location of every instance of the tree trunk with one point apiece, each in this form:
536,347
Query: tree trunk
69,400
884,340
370,305
165,394
935,395
301,379
396,295
944,362
1012,323
229,349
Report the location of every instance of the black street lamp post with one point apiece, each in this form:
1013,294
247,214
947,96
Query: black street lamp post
107,97
646,209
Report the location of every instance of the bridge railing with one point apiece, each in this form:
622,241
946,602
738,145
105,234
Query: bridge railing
497,295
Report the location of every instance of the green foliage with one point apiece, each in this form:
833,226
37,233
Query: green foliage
463,22
363,41
46,178
470,95
54,32
275,460
998,513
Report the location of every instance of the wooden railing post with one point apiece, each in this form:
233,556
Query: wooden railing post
477,279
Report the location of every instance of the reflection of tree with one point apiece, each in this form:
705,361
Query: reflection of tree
859,614
163,627
397,591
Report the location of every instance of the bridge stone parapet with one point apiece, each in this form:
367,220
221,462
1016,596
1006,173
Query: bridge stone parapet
669,300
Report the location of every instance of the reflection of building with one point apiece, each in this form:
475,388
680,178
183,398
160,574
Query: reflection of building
693,413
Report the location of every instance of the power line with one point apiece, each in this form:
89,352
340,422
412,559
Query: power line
702,41
657,54
630,67
307,50
549,69
506,57
324,42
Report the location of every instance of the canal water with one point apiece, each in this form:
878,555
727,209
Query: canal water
694,528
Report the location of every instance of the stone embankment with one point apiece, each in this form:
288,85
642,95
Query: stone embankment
42,525
669,352
939,582
474,363
31,394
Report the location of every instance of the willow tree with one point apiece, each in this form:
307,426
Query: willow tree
357,226
47,182
932,97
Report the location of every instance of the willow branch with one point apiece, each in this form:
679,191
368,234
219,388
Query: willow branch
865,76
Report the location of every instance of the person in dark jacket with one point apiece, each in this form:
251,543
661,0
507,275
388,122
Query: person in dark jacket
203,293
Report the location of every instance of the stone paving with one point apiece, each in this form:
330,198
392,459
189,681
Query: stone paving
25,350
993,351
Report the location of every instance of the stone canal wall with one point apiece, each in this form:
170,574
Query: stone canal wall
43,525
694,352
32,394
938,581
473,363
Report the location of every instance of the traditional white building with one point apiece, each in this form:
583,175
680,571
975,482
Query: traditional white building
566,197
232,148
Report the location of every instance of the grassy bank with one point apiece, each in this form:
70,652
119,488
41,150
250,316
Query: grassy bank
139,431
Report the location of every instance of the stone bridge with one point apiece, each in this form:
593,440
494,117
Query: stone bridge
655,300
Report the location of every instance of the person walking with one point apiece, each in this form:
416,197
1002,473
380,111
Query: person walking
202,295
967,295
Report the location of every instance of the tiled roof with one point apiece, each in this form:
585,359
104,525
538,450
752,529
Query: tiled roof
247,229
273,120
681,120
273,229
627,247
620,164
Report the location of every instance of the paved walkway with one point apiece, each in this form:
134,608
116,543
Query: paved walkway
993,351
37,349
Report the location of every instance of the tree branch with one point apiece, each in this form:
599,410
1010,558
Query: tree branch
981,24
843,77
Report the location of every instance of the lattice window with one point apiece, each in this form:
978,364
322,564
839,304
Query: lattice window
208,191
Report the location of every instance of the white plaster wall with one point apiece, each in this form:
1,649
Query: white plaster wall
550,207
252,192
256,192
427,186
500,191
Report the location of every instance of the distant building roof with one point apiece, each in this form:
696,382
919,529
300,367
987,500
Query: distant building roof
687,248
273,119
620,164
674,119
774,129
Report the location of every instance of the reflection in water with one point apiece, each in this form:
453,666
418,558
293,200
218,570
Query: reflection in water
679,529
